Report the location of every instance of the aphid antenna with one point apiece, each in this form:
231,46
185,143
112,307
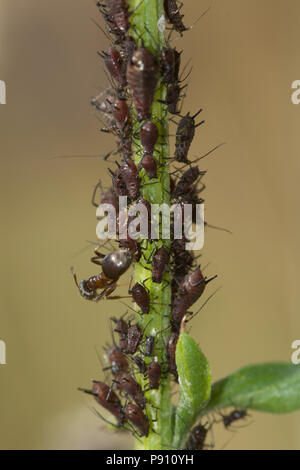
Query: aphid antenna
101,29
130,13
99,415
203,305
198,19
183,70
74,275
99,357
215,227
193,25
127,306
82,250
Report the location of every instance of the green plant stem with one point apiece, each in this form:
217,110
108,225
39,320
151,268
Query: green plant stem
144,28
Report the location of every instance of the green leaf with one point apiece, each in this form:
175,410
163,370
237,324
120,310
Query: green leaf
273,388
194,381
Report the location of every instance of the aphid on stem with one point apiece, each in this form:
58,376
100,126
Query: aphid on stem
107,398
135,415
184,136
142,77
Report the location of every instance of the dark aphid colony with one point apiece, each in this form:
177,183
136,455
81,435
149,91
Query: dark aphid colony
166,280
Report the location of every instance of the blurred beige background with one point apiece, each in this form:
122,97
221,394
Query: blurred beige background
245,55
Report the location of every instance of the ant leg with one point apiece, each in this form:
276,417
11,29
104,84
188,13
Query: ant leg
99,256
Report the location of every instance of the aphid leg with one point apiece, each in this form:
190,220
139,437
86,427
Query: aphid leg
98,186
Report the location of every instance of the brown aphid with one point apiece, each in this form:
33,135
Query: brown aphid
120,112
104,103
118,361
130,177
107,398
128,47
173,15
143,207
131,245
184,136
171,354
118,183
127,384
149,164
114,65
189,291
107,197
121,328
185,184
149,346
140,363
112,26
134,336
170,64
149,136
116,14
142,77
135,415
147,206
197,437
114,111
154,374
160,263
172,98
141,297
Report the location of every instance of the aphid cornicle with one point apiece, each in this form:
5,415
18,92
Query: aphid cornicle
142,77
127,384
107,398
135,415
141,297
160,263
113,266
184,136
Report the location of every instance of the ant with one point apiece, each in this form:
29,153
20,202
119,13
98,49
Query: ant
113,266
